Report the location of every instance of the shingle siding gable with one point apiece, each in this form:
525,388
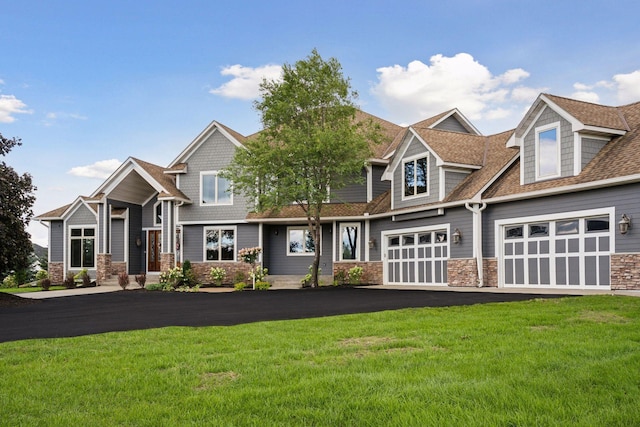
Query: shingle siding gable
451,124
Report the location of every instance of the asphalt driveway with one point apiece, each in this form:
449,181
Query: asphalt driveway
139,309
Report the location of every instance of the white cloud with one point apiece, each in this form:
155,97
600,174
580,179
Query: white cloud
10,105
418,90
245,83
628,86
586,96
100,169
53,117
526,95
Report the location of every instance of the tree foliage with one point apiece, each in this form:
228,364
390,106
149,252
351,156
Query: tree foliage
16,201
311,144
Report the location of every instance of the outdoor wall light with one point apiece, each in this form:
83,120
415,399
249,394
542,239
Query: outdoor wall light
138,241
372,243
457,236
625,224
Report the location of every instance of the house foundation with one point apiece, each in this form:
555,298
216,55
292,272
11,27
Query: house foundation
625,271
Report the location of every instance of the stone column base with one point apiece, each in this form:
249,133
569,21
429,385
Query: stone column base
103,269
625,271
56,272
167,261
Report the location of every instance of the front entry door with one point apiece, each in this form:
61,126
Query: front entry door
154,248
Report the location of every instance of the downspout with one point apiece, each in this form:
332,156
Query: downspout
477,209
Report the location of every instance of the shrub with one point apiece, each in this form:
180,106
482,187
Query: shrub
81,274
86,280
239,277
141,279
70,281
172,277
355,275
258,273
195,288
45,284
240,286
10,282
123,280
217,275
154,287
262,285
340,277
41,274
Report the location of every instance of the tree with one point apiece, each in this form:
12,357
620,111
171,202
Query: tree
311,143
16,201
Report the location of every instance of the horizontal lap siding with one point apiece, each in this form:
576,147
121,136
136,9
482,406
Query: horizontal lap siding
117,240
624,198
279,263
56,244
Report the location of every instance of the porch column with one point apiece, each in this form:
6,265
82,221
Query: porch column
168,254
103,256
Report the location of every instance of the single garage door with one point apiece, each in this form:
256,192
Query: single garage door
416,257
562,253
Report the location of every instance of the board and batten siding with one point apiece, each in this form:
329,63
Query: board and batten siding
352,193
528,150
415,148
213,154
624,198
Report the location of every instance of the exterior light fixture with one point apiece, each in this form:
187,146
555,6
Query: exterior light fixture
625,224
372,243
457,236
138,241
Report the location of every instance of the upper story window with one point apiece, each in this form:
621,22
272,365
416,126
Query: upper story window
214,189
548,151
157,213
415,176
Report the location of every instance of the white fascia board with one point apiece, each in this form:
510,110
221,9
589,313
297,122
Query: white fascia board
451,165
114,178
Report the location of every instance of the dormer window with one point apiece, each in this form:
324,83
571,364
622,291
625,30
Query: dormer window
548,151
415,176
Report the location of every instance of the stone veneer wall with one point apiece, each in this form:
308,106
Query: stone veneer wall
103,269
372,271
167,261
56,272
202,269
118,267
490,272
625,271
462,272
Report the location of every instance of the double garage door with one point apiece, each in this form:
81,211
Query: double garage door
564,252
416,257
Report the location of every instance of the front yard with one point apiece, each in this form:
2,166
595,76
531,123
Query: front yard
569,361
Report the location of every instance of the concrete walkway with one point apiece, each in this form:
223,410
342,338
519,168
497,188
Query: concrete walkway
112,288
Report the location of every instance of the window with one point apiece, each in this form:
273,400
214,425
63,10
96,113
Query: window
598,224
214,189
415,177
300,241
513,232
82,247
219,244
567,227
539,230
157,213
548,151
350,241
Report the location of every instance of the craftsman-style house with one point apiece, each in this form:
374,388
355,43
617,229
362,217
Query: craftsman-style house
550,204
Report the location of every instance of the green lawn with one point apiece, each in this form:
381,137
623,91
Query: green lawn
571,361
29,289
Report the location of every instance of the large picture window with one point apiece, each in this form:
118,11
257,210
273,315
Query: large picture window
300,241
82,246
219,244
415,177
214,189
349,242
548,151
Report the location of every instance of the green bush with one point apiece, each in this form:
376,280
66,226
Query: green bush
10,282
262,285
41,274
239,277
240,286
154,287
217,275
69,281
80,274
355,275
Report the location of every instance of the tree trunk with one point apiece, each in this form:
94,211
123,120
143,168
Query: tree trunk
315,268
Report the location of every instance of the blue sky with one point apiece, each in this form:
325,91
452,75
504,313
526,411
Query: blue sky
86,84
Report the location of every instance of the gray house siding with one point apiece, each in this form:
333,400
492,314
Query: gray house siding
214,154
566,146
415,148
82,216
624,198
378,185
354,193
279,263
590,147
193,239
56,244
117,240
134,217
148,214
451,124
452,180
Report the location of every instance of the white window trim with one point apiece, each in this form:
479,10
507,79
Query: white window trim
538,131
155,217
95,245
358,227
204,242
216,203
305,229
413,159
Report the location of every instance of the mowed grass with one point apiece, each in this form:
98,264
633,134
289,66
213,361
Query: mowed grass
569,361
